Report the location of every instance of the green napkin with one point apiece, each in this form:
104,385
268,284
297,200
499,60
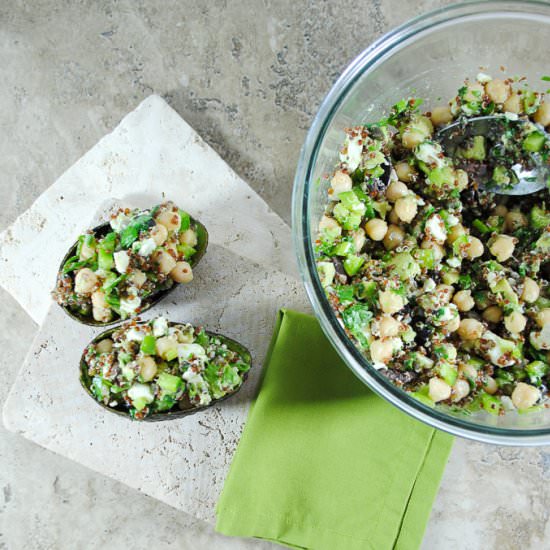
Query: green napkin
323,462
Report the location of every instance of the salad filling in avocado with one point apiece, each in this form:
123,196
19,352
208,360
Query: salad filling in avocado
145,369
119,268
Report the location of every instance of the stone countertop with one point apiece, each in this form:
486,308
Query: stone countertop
250,87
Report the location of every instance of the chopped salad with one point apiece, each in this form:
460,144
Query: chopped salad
119,268
440,283
159,367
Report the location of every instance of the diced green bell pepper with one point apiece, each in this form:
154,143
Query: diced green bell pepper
352,265
169,383
148,345
534,142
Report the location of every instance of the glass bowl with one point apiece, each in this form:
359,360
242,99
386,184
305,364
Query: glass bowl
429,57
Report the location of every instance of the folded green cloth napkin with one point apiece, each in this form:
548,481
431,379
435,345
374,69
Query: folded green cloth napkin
323,462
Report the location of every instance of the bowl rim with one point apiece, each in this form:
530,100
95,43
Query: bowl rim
303,246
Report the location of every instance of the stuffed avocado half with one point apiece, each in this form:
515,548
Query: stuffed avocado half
121,268
160,370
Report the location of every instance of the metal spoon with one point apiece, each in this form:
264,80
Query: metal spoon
529,179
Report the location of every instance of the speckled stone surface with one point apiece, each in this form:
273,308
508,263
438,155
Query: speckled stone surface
248,76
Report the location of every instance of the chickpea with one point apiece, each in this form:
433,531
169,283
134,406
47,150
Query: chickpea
137,278
326,223
406,208
393,217
85,281
159,234
182,273
437,249
470,329
450,276
515,322
514,220
474,92
542,116
444,293
172,248
393,237
98,299
101,314
166,344
454,232
341,182
147,368
463,300
461,179
170,219
525,395
441,115
405,172
453,325
468,371
412,137
390,302
500,210
512,104
104,346
381,351
189,237
497,90
395,190
493,314
503,247
389,327
531,290
461,389
414,134
473,248
164,260
438,389
490,385
543,317
376,229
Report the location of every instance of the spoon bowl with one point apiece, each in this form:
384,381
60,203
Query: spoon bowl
528,170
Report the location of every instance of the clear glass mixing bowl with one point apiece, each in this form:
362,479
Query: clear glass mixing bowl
428,56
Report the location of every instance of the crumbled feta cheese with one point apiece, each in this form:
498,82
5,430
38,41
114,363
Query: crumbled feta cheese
142,391
435,228
454,261
135,334
496,354
354,152
160,327
186,351
122,261
541,339
444,314
430,152
193,377
147,247
483,78
130,304
429,285
511,116
452,220
120,223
